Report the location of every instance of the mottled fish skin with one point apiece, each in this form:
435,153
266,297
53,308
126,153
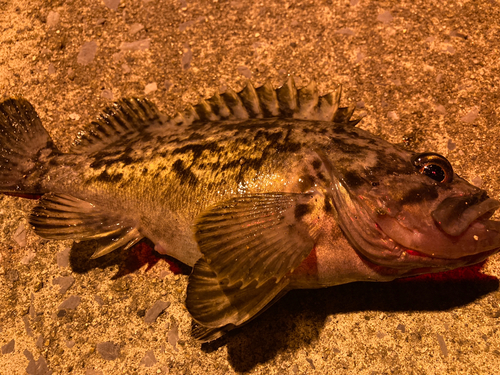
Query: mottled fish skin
260,192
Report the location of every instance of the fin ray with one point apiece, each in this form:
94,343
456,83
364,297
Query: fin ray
25,147
215,304
62,216
254,237
123,116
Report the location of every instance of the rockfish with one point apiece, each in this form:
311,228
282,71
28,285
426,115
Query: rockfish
260,192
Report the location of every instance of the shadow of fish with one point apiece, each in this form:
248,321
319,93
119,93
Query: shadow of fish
260,191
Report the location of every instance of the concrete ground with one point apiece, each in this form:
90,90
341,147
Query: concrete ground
424,72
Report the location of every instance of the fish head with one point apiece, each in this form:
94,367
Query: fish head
410,211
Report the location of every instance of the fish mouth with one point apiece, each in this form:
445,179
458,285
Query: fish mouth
461,228
455,214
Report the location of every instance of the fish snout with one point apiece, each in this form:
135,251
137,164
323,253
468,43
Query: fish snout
455,214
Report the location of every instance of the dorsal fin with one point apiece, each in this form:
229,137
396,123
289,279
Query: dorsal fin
123,116
267,102
286,102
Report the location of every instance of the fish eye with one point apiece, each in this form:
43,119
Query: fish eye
434,166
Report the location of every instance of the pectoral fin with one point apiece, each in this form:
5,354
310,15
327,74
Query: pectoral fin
250,244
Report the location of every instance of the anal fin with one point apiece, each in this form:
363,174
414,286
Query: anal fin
62,216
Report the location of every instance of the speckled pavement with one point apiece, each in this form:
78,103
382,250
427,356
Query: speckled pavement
423,72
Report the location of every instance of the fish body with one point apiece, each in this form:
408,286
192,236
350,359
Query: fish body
260,192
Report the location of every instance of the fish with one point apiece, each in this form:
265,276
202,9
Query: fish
260,191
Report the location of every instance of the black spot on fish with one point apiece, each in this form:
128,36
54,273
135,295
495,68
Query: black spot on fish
353,179
288,145
347,148
317,163
184,173
195,136
328,205
306,182
419,194
301,210
106,177
197,149
321,176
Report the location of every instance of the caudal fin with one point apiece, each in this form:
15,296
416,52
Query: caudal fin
24,147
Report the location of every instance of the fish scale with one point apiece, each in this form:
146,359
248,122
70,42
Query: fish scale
260,192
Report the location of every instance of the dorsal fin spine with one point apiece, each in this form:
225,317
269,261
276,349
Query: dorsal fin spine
262,102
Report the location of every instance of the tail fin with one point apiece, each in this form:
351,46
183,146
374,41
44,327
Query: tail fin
24,147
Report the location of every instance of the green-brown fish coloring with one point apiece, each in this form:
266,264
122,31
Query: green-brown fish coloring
260,192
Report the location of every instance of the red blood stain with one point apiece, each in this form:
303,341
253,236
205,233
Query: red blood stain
26,196
143,254
469,273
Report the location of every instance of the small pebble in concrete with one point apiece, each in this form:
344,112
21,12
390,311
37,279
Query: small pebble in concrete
187,56
87,53
451,145
39,342
149,359
392,115
138,45
155,310
126,68
173,335
52,19
51,69
9,347
38,367
27,327
20,235
439,108
311,363
150,87
108,350
70,303
442,345
471,116
107,94
62,258
401,328
245,72
112,4
135,28
345,31
99,300
12,275
64,283
71,74
185,25
477,181
385,17
28,257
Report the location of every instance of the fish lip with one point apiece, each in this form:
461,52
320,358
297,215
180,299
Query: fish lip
456,214
481,236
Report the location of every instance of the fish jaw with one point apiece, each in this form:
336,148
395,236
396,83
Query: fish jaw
479,236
